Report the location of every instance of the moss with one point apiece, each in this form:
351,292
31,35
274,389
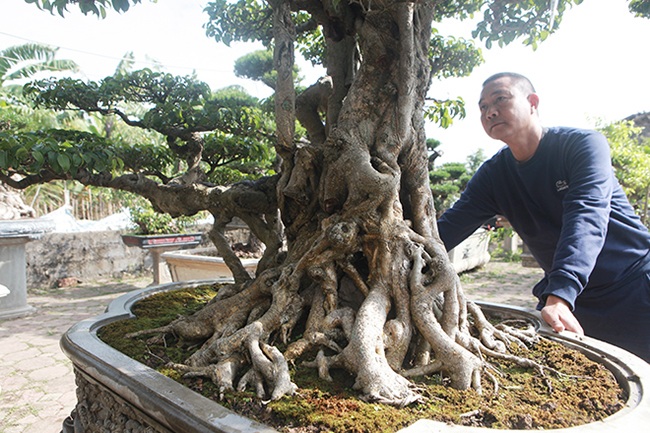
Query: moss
152,312
585,392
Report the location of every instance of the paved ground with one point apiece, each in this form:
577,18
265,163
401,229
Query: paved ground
502,283
37,390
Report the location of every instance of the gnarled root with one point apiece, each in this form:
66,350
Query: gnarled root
499,337
222,374
269,366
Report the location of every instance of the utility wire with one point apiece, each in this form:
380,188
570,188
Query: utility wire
147,62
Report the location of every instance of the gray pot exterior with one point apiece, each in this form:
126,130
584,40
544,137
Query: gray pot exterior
160,404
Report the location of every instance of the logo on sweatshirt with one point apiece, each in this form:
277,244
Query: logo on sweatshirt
561,185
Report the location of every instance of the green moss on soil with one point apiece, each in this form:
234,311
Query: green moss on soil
586,392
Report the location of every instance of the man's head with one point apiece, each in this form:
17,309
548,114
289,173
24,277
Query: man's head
519,80
508,105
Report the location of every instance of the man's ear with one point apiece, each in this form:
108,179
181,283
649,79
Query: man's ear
534,100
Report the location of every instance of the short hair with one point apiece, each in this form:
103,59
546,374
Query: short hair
521,81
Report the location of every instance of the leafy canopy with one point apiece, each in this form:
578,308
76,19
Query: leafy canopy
232,141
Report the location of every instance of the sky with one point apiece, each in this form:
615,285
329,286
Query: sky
593,69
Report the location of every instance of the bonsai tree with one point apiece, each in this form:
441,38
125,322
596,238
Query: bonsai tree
352,250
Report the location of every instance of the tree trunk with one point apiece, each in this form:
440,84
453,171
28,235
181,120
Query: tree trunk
365,268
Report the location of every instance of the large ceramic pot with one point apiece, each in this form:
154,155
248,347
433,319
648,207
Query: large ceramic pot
472,252
201,264
116,393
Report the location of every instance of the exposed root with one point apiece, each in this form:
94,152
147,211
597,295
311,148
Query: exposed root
392,389
500,337
270,366
222,374
408,319
322,364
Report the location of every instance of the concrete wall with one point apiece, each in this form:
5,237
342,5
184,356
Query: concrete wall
88,256
84,256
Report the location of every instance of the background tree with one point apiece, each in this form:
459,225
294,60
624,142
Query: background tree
631,160
449,180
364,282
25,61
19,63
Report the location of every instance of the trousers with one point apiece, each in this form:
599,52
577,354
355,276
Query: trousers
620,315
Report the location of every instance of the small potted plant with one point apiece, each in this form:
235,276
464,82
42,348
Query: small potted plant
158,232
153,229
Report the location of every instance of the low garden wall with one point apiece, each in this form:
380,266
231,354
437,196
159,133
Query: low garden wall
59,259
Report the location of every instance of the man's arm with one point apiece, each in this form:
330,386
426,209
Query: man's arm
472,209
585,216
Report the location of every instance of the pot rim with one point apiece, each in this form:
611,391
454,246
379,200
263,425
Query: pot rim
181,409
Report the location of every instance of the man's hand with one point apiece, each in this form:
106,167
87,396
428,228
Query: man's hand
559,316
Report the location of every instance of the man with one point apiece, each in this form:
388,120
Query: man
557,188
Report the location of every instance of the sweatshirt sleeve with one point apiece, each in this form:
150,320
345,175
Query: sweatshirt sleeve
472,209
585,218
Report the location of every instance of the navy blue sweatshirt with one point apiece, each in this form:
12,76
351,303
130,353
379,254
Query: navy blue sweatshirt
567,206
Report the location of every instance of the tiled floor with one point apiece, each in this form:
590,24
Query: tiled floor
37,390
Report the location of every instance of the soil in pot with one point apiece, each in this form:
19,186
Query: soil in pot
525,399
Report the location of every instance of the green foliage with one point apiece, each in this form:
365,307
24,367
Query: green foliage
250,21
453,57
68,93
631,160
311,45
176,102
173,105
17,116
146,157
443,112
640,8
258,66
450,57
96,7
248,156
504,21
146,221
241,20
56,153
147,123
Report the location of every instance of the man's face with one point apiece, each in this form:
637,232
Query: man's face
506,111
